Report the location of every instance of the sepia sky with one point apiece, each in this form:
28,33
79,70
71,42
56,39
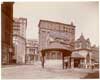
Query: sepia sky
85,16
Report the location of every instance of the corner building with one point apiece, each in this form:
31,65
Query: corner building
84,55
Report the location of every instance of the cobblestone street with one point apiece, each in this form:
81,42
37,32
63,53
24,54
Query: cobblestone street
52,70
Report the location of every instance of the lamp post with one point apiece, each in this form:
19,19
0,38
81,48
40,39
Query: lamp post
10,54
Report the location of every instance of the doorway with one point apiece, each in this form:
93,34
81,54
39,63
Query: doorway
76,63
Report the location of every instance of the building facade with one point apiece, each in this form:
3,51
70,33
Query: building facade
31,51
95,56
82,56
19,40
7,32
55,35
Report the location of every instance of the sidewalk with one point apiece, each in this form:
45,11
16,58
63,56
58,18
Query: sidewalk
52,70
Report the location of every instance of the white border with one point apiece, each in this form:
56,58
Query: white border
43,1
47,0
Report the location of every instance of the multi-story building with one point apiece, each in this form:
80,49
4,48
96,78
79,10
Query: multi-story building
82,55
7,31
95,53
31,51
19,40
56,35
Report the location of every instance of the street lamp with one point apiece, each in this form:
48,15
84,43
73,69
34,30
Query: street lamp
10,54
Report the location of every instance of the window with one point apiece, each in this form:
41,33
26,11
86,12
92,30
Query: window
80,45
88,45
43,31
66,30
61,28
77,45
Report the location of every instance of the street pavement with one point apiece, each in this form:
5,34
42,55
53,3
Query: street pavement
52,70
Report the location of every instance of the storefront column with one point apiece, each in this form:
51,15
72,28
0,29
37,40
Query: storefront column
43,54
90,62
63,60
28,59
72,63
85,63
50,55
81,63
68,61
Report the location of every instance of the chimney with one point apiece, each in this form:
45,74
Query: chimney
72,23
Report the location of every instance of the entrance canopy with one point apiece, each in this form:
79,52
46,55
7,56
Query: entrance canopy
77,56
63,51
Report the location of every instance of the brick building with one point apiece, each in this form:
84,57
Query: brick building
7,32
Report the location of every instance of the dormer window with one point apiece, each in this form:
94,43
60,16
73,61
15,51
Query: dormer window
88,45
78,45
